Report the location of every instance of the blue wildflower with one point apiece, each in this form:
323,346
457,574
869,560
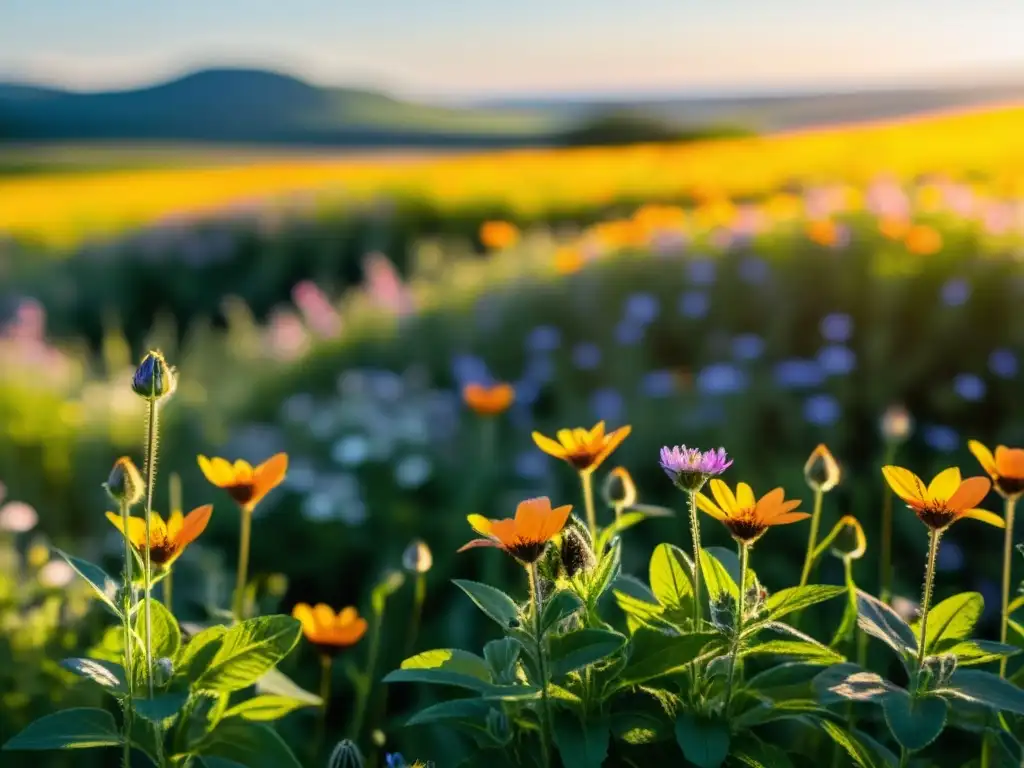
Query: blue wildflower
658,384
1003,363
586,356
701,271
721,379
837,360
941,438
540,369
822,410
544,338
642,308
694,304
754,270
607,404
747,346
969,387
837,327
629,334
470,368
956,292
395,760
797,373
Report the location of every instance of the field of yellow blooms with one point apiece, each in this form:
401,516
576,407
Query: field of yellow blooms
60,210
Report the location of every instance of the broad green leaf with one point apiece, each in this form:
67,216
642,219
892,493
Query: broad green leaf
195,657
166,634
580,744
445,666
250,744
265,707
219,762
558,608
858,752
106,674
495,603
634,587
850,682
882,622
791,679
102,584
654,654
986,689
845,632
778,710
719,582
638,728
914,722
970,652
704,741
471,710
581,648
276,683
951,621
798,648
79,728
756,754
640,613
608,568
628,520
248,651
161,709
502,657
788,601
671,577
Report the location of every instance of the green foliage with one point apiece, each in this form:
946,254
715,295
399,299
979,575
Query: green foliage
247,651
69,729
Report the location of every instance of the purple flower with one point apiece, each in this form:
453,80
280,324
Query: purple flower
642,308
1003,363
956,292
693,304
969,387
837,327
586,356
690,468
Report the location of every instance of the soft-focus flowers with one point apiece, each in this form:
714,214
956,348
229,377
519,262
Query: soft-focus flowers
748,518
327,630
167,540
526,535
943,501
690,468
583,449
896,424
1006,467
497,235
821,470
17,517
488,401
245,484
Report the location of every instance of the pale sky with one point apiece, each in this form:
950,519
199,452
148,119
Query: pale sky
497,47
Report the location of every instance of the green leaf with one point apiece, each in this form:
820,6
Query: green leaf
970,652
166,634
704,741
791,679
720,584
161,709
79,728
853,745
627,520
502,657
247,651
219,762
445,666
850,682
756,754
471,710
558,608
276,683
637,728
914,722
608,568
102,584
799,648
986,689
655,654
581,648
882,622
580,744
848,625
495,603
778,710
249,744
265,707
671,577
951,621
194,658
794,599
640,613
106,674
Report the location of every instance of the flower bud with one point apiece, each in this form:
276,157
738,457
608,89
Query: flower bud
897,424
576,554
618,489
848,539
346,755
821,470
417,557
153,379
163,671
124,484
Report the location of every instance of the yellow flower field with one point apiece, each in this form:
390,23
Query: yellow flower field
59,210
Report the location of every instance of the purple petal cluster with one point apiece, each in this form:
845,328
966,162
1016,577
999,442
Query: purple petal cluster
691,467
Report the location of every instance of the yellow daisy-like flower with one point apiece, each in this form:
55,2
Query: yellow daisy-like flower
245,484
327,630
167,540
1006,467
526,535
946,499
748,518
583,449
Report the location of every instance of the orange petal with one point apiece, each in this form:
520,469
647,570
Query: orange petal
530,516
323,615
704,504
349,634
347,616
984,456
304,613
549,446
268,475
970,493
596,433
789,517
904,483
555,521
985,517
1010,462
505,531
944,484
479,543
614,440
770,505
195,523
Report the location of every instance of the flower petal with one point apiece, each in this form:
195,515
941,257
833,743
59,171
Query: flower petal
549,446
789,517
1010,462
346,616
984,456
217,470
944,484
723,495
744,496
505,531
970,493
704,504
323,615
267,476
304,613
480,524
555,521
174,523
349,634
904,483
985,516
530,516
613,441
195,523
479,543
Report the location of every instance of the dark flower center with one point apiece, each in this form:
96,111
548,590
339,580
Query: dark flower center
745,525
527,551
161,550
1010,486
936,516
242,493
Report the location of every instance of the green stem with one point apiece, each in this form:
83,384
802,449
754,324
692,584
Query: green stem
1011,504
885,566
243,565
698,576
744,556
419,596
151,443
926,599
812,537
326,670
586,480
366,683
129,641
168,593
545,713
618,512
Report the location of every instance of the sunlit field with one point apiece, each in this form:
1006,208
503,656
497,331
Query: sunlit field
703,454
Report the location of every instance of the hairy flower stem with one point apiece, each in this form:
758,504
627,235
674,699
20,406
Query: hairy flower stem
1011,505
744,556
587,481
545,712
698,575
885,564
151,447
812,537
243,564
926,598
129,641
326,669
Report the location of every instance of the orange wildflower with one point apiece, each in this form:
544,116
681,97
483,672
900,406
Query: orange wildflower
489,401
245,484
328,631
943,501
1006,468
526,535
923,240
568,259
167,540
583,449
748,518
498,235
823,232
893,227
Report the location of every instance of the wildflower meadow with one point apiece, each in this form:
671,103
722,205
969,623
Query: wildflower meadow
707,455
